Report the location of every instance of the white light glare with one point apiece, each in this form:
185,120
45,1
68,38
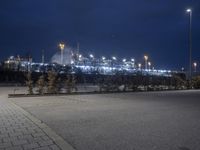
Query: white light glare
188,10
114,58
195,64
91,56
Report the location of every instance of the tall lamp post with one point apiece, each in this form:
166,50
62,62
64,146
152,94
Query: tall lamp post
190,43
146,59
195,66
112,63
139,66
62,47
149,64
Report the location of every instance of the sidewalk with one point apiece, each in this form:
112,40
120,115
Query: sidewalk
19,130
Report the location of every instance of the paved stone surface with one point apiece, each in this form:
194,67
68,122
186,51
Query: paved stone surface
131,121
21,131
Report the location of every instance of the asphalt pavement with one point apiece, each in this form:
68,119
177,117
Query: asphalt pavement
124,121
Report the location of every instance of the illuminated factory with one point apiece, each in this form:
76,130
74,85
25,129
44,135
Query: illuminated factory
68,61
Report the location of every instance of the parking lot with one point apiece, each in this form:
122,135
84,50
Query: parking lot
125,121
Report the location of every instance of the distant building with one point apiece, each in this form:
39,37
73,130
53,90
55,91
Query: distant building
17,63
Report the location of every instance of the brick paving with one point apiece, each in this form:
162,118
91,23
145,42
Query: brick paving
18,131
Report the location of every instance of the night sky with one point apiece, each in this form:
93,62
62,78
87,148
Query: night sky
123,28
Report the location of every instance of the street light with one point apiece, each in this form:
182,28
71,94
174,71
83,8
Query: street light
62,47
190,43
91,56
139,66
149,64
195,66
124,60
79,57
114,58
103,58
146,59
133,62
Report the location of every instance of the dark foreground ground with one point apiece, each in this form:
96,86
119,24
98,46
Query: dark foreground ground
130,121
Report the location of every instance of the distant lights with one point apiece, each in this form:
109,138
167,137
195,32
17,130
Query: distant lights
72,62
62,46
114,58
189,10
91,56
145,57
195,64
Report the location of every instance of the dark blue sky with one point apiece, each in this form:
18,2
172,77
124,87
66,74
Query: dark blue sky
123,28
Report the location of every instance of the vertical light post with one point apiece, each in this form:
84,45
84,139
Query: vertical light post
146,59
92,58
103,60
149,64
139,66
133,62
114,59
62,47
190,43
195,67
103,63
92,61
79,59
42,56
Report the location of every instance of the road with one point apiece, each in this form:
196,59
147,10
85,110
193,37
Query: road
124,121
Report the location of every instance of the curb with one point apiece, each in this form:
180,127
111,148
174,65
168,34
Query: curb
85,93
66,94
61,143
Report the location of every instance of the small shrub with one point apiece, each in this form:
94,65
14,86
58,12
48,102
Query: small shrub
196,82
52,82
29,83
41,85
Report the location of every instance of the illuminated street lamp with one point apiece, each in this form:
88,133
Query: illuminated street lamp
146,59
195,66
124,60
62,47
149,64
103,58
114,58
79,57
190,43
182,69
133,62
139,66
91,56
